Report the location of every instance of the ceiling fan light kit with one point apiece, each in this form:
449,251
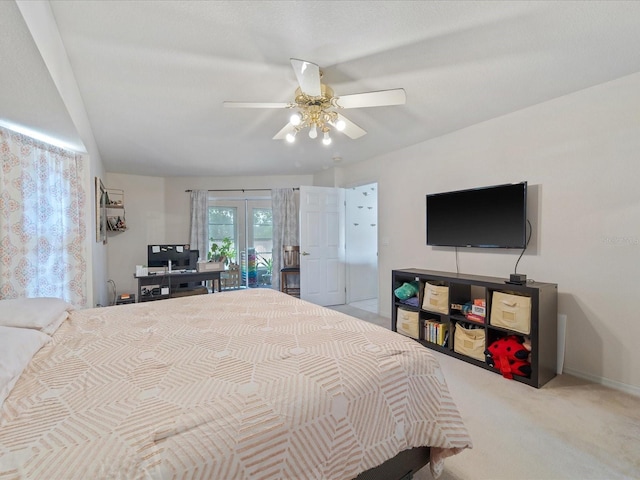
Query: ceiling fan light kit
317,105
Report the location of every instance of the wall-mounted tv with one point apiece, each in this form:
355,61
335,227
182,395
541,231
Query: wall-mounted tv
486,217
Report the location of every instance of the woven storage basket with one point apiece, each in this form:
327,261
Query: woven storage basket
407,323
469,342
511,311
436,298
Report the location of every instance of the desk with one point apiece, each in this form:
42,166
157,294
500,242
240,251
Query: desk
172,280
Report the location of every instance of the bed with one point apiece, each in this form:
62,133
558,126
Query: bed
249,384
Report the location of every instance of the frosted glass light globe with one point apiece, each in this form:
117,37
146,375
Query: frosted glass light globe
295,119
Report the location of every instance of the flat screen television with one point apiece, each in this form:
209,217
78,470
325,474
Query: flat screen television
180,255
486,217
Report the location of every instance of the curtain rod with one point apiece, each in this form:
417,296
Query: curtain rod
242,190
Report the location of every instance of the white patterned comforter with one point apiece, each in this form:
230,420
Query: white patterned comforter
249,384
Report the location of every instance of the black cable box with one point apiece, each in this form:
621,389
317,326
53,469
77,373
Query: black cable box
518,278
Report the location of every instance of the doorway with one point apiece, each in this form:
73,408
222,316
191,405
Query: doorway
339,246
362,246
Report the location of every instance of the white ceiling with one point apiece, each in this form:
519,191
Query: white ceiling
153,75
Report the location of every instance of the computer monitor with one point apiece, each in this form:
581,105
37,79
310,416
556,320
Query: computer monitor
181,256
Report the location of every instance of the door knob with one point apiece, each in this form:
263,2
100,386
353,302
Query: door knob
305,253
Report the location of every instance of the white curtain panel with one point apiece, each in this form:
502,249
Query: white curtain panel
199,239
285,207
42,228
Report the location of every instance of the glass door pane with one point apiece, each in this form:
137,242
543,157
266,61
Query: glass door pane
261,234
223,222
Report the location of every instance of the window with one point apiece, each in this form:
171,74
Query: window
42,223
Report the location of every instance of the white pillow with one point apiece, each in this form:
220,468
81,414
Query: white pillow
53,326
17,348
37,313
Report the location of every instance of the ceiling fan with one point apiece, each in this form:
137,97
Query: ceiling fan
317,106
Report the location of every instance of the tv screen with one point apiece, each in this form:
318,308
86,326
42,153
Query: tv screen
487,217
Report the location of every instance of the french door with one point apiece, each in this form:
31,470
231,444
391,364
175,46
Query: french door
248,223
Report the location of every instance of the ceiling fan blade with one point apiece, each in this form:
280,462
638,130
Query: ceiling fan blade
308,75
380,98
283,133
256,105
351,130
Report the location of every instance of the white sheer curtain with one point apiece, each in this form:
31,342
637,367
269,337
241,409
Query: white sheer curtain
200,222
285,203
42,228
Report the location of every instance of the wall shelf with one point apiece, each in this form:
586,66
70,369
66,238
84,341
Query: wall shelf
116,214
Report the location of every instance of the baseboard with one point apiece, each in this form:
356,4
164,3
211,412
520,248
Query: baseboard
623,387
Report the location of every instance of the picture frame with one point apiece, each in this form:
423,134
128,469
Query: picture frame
101,212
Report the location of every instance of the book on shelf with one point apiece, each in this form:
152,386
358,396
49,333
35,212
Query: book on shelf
435,332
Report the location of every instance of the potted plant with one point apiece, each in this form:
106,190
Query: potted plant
223,253
267,263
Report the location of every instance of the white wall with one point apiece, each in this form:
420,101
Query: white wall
580,154
144,202
326,178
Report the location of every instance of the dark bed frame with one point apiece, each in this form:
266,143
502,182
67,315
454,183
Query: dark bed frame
400,467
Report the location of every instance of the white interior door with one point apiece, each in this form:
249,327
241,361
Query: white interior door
322,245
